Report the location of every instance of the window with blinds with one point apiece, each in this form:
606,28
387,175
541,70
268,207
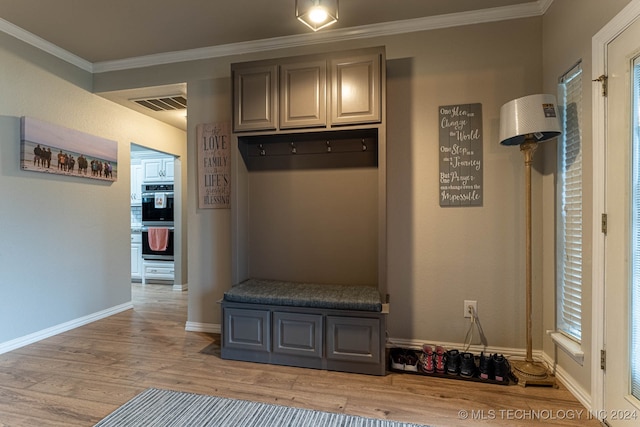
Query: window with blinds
635,238
569,206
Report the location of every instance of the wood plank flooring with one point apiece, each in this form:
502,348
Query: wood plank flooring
78,377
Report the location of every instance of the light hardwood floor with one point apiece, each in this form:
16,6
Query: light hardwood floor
78,377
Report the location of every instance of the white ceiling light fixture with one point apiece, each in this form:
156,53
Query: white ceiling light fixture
317,14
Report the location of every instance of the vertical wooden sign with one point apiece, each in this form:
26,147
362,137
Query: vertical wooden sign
214,165
460,179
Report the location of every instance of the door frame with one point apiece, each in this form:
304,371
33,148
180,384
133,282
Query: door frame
599,48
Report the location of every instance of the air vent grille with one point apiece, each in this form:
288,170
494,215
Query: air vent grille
165,103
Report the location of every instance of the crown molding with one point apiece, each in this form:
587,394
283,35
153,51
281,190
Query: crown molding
544,5
524,10
42,44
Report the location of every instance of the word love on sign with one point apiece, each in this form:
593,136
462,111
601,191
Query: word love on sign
460,155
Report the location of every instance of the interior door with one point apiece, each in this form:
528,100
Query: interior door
621,406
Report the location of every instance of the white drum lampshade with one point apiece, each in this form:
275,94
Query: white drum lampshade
532,117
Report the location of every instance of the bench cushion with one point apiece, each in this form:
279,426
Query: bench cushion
337,297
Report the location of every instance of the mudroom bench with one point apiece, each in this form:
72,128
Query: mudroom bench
332,327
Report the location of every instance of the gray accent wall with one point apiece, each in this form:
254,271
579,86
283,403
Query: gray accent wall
65,241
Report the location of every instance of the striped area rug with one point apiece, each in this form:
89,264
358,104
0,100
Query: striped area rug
159,408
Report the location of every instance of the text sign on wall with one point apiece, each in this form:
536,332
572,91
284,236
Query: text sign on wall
461,155
214,165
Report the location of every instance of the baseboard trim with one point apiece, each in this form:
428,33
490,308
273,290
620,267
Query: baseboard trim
180,287
568,381
211,328
17,343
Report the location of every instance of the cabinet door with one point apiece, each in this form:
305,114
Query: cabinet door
168,172
156,170
255,97
152,170
297,334
355,90
136,185
353,339
136,260
246,329
303,95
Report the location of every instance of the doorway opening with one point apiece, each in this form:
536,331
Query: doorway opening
154,200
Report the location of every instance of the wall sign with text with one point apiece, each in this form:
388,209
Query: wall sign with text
214,165
460,178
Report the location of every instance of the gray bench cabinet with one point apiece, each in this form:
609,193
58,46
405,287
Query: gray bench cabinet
338,340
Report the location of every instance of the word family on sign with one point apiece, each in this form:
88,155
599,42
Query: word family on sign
460,177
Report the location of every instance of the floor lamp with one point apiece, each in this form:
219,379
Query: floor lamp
525,122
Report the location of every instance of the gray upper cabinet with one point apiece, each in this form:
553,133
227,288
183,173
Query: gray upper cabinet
303,94
355,86
255,97
315,91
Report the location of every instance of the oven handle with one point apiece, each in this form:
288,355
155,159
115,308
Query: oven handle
153,193
146,228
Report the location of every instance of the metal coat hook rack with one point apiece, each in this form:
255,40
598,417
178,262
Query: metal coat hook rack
320,150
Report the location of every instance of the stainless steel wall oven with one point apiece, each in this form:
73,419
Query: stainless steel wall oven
155,246
157,204
157,221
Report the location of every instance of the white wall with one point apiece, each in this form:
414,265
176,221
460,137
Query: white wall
64,242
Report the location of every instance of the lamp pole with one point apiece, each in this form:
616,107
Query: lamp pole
528,150
529,372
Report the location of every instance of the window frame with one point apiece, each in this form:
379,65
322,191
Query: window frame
570,222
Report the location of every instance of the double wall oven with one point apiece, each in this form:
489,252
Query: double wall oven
157,221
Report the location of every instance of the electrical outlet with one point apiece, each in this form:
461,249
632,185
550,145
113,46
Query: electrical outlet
467,303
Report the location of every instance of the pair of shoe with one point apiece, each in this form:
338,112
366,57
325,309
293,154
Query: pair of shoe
494,367
463,364
452,362
432,360
404,360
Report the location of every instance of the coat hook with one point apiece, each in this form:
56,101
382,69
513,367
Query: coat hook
364,145
293,148
262,152
328,147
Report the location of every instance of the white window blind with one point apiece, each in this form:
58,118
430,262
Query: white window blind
569,207
635,239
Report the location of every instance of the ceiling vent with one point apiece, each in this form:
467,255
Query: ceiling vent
164,103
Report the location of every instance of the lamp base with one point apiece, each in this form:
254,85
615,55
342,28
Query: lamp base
532,373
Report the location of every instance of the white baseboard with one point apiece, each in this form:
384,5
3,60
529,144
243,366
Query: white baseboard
210,328
180,287
63,327
568,381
